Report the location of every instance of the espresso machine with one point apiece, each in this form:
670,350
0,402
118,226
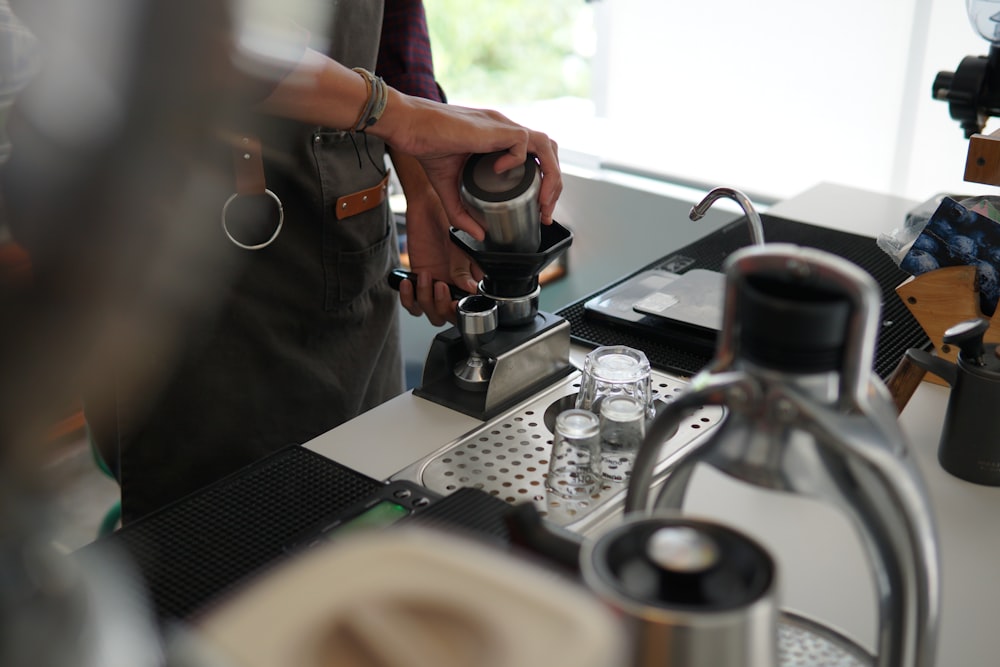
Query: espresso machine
503,348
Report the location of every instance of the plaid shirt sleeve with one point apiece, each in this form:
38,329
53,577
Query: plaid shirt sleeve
404,58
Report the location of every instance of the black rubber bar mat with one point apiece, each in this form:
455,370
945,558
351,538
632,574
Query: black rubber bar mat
202,546
899,330
191,553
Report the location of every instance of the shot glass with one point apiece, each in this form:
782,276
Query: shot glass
623,427
573,464
615,370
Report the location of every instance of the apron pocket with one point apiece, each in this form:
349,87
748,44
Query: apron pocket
351,273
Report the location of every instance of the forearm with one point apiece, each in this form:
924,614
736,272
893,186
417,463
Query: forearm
323,92
319,91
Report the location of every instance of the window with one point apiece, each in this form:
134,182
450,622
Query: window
769,97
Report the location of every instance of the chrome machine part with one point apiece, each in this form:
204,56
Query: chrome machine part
829,433
513,311
508,456
693,592
699,210
477,323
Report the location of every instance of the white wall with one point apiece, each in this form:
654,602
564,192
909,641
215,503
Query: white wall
774,96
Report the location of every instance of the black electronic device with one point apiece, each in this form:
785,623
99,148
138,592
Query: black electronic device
898,329
384,507
685,309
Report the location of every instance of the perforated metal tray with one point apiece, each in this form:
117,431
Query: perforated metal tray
508,457
803,642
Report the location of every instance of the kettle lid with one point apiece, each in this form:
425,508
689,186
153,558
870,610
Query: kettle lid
792,323
681,564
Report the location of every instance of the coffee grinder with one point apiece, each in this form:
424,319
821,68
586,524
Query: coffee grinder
503,348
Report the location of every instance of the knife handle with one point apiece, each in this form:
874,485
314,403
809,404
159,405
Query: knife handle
904,380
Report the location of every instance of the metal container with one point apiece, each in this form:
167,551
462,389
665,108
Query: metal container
692,592
505,204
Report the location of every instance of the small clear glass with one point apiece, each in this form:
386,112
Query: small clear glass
573,465
623,427
615,370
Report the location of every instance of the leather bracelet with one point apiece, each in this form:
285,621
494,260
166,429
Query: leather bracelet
378,97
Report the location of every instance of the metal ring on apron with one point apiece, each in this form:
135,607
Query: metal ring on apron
257,246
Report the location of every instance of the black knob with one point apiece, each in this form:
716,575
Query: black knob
942,85
968,336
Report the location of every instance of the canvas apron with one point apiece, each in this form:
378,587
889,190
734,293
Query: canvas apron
308,336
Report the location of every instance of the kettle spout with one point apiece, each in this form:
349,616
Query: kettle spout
946,370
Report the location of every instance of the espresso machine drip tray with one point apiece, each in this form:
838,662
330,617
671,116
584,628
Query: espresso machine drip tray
508,457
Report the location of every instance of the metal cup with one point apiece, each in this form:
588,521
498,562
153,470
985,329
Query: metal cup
477,322
691,592
505,204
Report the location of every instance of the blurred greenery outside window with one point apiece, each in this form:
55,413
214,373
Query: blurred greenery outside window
511,52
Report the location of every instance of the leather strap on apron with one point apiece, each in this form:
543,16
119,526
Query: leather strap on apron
248,165
363,200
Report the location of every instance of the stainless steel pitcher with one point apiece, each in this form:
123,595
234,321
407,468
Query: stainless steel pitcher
505,204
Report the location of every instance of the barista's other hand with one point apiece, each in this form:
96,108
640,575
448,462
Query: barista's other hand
433,297
433,257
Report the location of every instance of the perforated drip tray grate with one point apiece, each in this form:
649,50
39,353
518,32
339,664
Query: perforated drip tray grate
509,456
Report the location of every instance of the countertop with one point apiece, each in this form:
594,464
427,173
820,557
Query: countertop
824,573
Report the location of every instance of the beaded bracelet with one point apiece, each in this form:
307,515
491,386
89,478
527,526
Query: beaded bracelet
378,96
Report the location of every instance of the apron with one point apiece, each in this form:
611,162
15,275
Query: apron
306,339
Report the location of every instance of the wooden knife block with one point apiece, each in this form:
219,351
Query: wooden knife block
982,159
942,298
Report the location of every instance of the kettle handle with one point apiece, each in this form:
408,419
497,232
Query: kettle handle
707,388
943,368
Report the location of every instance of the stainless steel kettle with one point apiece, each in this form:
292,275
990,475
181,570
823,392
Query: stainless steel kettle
807,415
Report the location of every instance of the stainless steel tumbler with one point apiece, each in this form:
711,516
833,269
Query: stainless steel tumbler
505,204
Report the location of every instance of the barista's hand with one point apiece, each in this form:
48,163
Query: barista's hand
321,91
433,257
441,137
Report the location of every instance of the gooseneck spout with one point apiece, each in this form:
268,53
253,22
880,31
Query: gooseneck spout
699,210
